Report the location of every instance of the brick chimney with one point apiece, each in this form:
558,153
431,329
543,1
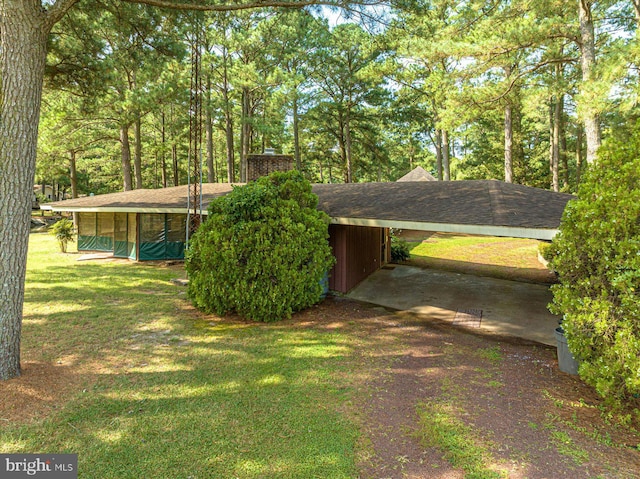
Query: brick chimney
268,162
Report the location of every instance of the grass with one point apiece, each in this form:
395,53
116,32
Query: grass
505,258
441,428
166,392
465,247
492,354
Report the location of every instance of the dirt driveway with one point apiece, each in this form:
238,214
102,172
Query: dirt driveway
502,395
522,416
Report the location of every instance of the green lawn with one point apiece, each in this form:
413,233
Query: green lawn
162,391
506,258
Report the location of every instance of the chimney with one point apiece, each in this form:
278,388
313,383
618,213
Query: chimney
267,162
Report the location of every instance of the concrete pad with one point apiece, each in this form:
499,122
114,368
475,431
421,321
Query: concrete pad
508,307
90,256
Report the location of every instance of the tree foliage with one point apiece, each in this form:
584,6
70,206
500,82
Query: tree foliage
597,256
262,252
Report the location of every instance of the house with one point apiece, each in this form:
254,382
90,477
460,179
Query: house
49,192
151,224
418,174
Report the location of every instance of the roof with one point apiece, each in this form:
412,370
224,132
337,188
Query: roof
418,174
162,200
486,207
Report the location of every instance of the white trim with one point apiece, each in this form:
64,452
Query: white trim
485,230
116,209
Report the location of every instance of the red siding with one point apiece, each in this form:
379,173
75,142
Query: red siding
359,251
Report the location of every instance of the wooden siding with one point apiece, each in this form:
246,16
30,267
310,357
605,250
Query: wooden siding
359,251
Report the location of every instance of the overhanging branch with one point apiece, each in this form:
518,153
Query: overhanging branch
235,6
58,10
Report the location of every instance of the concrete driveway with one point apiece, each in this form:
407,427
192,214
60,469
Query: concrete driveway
492,305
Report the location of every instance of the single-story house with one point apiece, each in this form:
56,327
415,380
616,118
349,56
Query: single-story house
151,224
50,193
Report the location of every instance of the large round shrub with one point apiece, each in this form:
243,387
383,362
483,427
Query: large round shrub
597,257
263,251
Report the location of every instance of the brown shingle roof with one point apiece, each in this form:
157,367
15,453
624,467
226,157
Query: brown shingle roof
164,198
483,202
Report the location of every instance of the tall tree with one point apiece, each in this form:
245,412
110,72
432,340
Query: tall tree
590,114
24,31
347,77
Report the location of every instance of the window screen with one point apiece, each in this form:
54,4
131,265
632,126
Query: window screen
176,227
151,227
86,224
105,224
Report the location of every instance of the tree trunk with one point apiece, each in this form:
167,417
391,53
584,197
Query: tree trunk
446,168
174,162
347,146
296,131
23,36
230,156
73,179
137,149
126,157
588,64
163,154
211,171
579,135
564,160
439,153
73,174
508,145
245,133
636,10
555,142
228,117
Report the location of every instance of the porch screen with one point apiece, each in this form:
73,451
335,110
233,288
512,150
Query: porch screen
132,235
161,236
104,231
176,235
87,231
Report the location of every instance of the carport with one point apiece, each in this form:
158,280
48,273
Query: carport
490,208
482,207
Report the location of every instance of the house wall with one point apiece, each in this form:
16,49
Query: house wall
359,251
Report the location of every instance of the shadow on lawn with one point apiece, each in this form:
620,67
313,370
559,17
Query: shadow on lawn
172,393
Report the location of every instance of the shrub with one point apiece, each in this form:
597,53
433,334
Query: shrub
399,249
63,231
597,257
262,252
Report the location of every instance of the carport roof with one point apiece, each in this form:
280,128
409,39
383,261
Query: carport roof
486,207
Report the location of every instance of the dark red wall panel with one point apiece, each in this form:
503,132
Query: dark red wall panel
359,252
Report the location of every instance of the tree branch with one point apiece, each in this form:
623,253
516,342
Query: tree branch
58,10
249,5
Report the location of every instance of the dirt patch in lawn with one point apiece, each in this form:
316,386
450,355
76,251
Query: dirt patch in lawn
40,389
528,418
